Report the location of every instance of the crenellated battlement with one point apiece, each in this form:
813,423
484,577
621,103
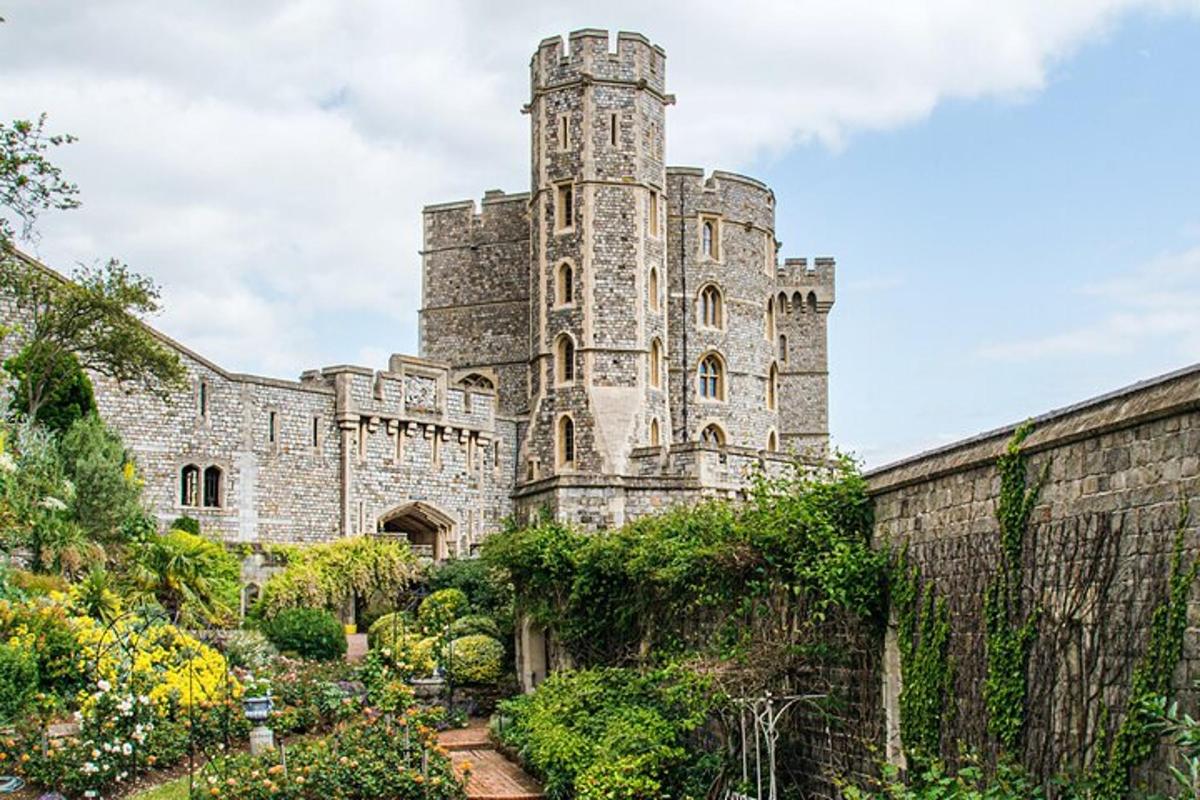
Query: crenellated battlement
499,217
799,277
589,54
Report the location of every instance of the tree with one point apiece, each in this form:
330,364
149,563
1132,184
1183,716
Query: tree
108,490
29,183
95,318
194,579
70,396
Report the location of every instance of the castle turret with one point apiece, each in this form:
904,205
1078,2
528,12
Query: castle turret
598,325
804,298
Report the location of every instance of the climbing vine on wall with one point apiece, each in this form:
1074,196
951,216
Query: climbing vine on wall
927,675
1010,627
1136,735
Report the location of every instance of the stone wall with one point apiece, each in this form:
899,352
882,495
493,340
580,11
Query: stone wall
1096,560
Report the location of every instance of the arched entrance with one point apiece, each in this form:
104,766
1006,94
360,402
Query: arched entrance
426,527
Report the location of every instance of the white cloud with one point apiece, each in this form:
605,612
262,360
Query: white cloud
267,161
1155,306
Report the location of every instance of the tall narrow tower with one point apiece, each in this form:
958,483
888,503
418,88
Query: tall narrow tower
597,250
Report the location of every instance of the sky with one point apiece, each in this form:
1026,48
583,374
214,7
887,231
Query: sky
1011,190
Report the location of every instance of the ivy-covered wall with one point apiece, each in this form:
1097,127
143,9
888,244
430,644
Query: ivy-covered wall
1084,571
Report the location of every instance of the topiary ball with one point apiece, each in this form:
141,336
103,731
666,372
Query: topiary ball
476,659
473,624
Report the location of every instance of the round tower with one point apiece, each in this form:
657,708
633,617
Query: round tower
598,326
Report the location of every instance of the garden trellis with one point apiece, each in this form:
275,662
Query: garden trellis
759,719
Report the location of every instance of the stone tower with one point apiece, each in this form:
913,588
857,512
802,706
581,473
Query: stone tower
597,253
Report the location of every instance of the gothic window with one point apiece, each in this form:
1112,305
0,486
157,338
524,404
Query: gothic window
656,364
566,441
564,206
770,320
654,434
812,301
564,359
710,237
564,292
772,443
712,434
189,485
772,387
212,487
711,312
783,348
652,286
712,377
477,381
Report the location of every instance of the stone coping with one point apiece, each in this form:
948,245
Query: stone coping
1162,396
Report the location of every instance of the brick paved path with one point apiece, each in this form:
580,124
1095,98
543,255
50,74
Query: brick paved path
493,777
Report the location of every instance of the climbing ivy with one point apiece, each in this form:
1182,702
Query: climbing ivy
927,675
1010,627
1135,737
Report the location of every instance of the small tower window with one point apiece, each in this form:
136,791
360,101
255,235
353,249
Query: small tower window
564,132
614,129
710,307
566,441
564,359
770,321
565,285
652,213
652,287
713,435
564,206
202,399
273,427
710,237
772,443
189,486
783,348
655,438
656,364
212,487
812,301
316,432
712,377
772,387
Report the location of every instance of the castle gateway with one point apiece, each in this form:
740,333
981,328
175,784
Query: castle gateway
619,339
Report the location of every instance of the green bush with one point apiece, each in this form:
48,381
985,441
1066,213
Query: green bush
384,631
69,398
611,732
107,488
486,587
18,681
473,624
248,649
185,523
475,660
195,580
440,609
307,632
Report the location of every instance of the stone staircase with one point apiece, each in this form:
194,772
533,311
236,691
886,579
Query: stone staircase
493,777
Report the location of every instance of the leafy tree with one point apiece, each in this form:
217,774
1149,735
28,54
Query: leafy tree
107,488
194,579
29,183
70,395
95,318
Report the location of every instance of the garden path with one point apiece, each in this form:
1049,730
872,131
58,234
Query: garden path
493,777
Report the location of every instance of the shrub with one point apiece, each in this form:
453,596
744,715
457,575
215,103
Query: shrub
248,649
31,584
18,681
188,524
486,587
385,630
194,579
70,396
440,609
473,624
307,632
475,659
615,733
107,488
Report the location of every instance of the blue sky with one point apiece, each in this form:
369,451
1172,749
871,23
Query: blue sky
1001,222
1012,190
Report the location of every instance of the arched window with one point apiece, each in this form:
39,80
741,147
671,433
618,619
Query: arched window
711,312
652,286
564,285
654,434
712,434
566,441
812,301
189,485
772,442
712,377
783,351
782,304
797,302
656,364
772,387
212,487
477,381
708,238
770,320
564,359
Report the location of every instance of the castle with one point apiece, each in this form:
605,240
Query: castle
617,340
